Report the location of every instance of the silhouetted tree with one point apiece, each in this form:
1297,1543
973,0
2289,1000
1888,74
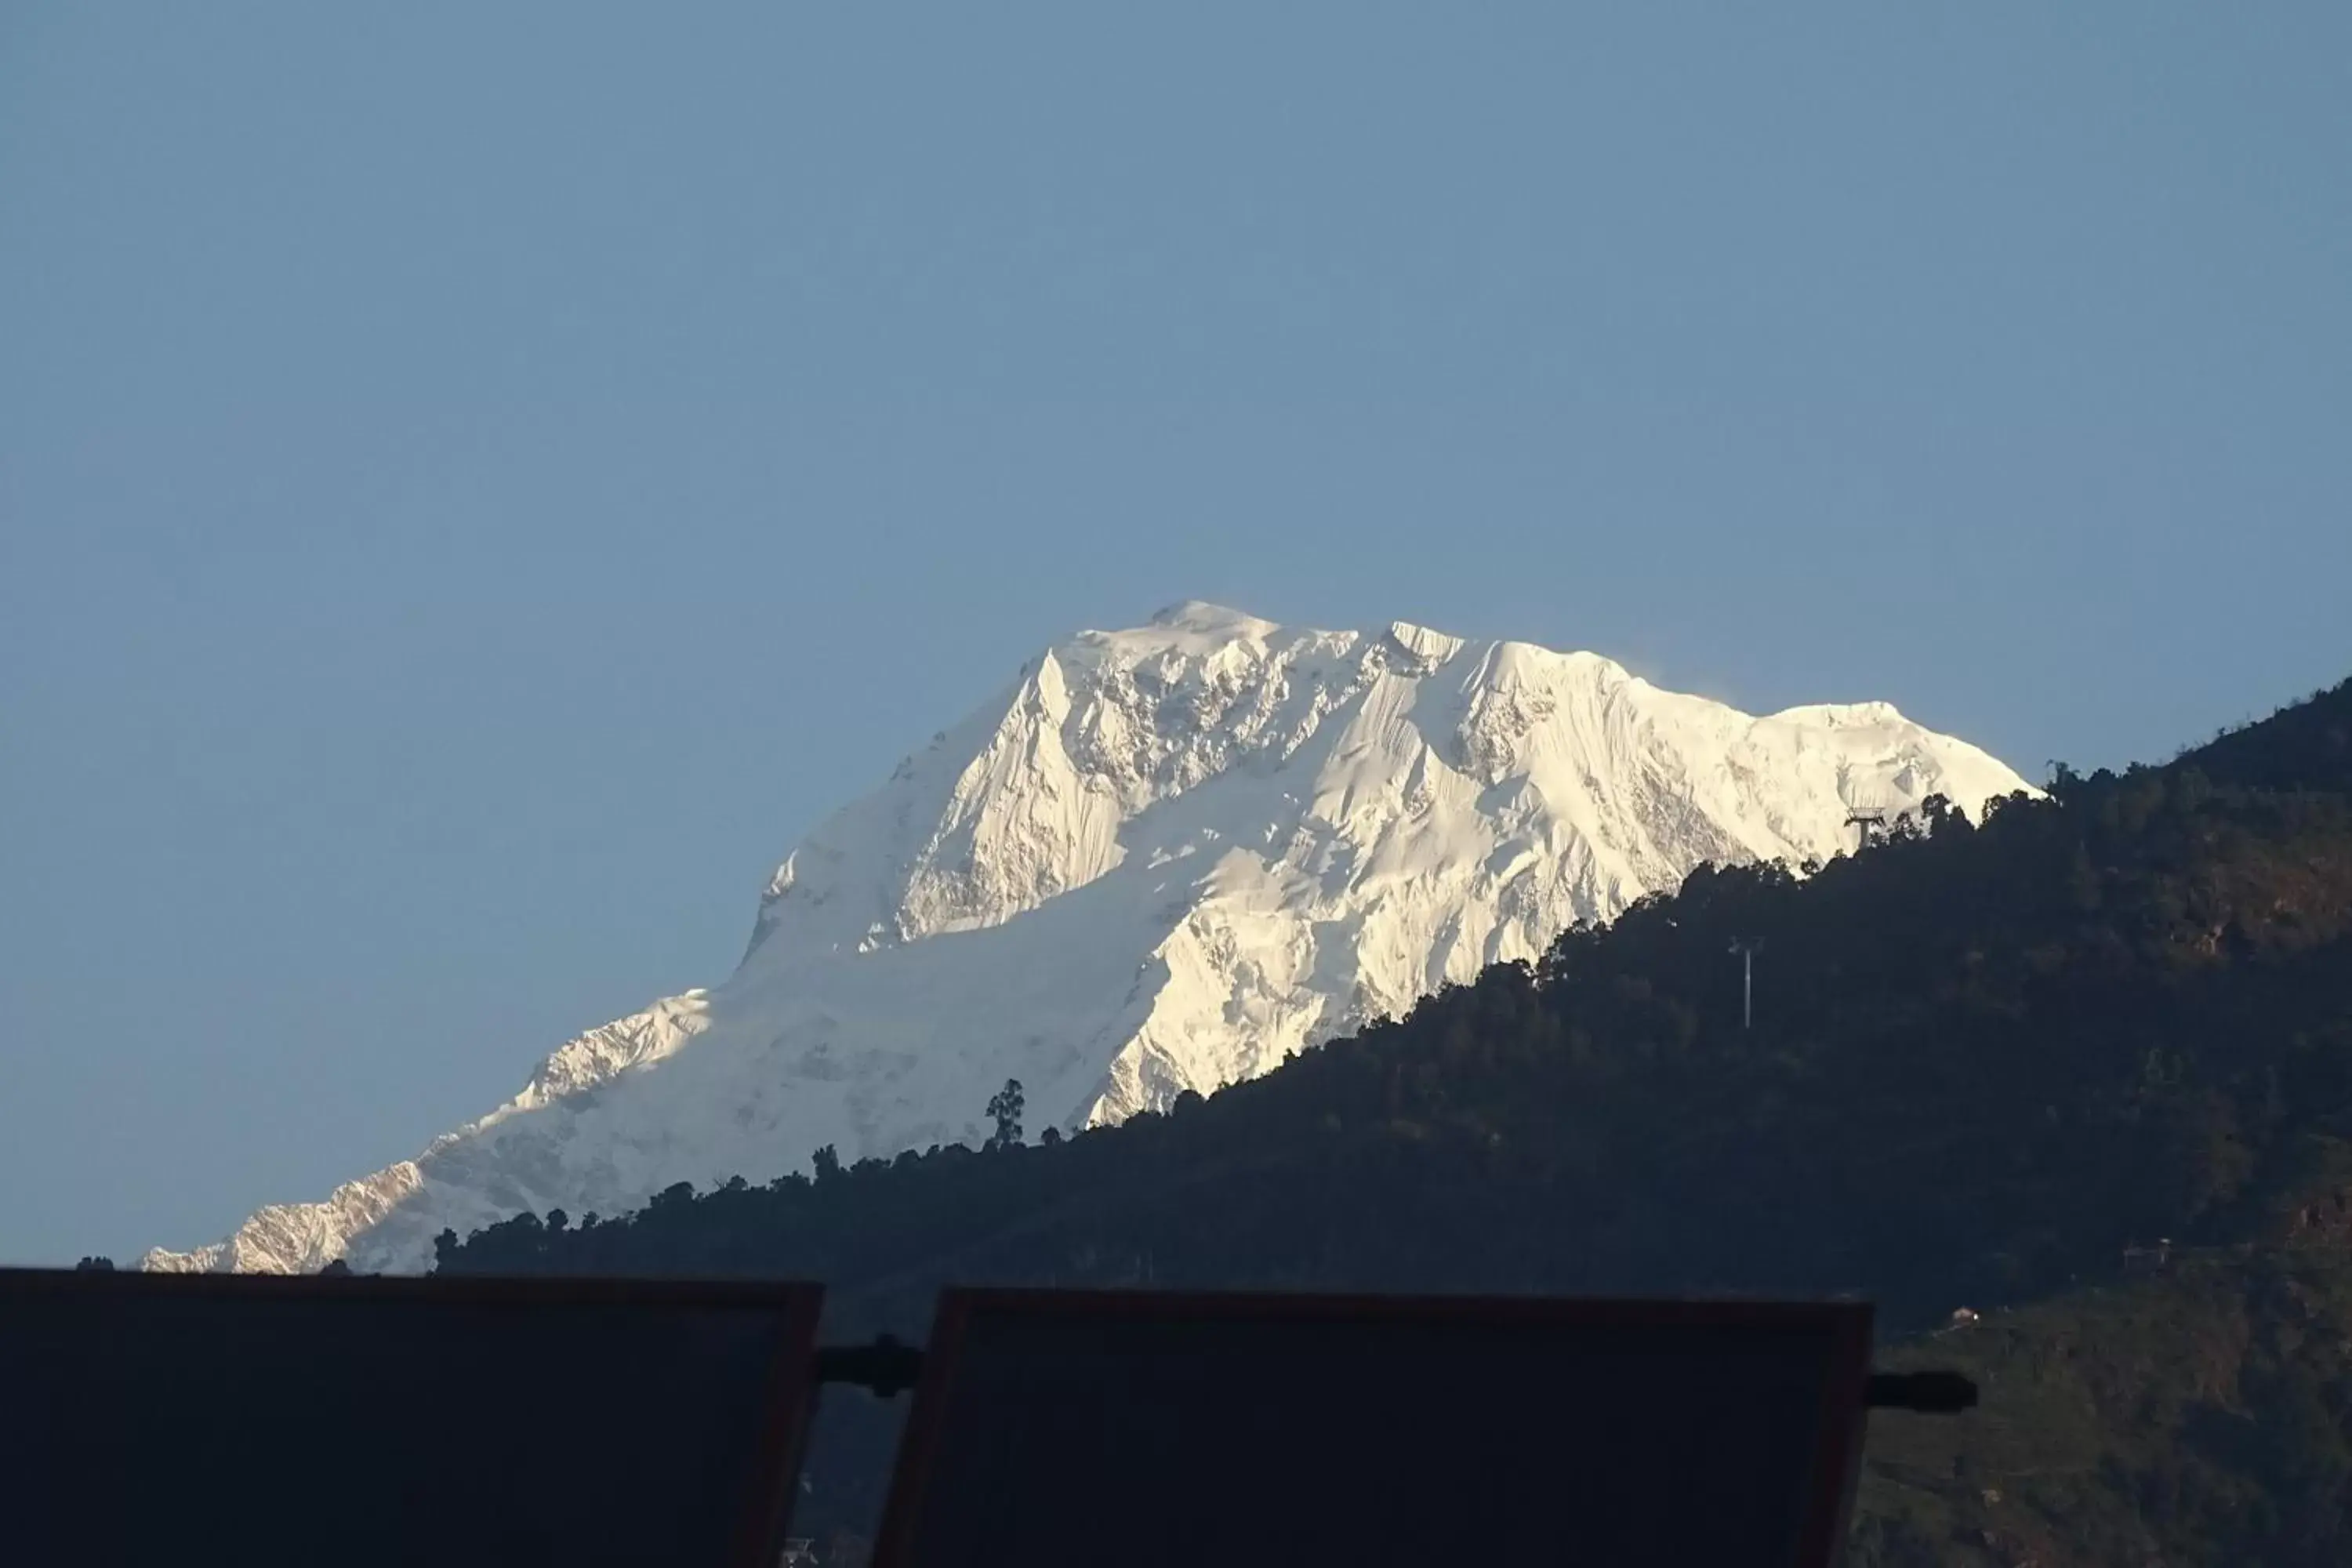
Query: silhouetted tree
1005,1110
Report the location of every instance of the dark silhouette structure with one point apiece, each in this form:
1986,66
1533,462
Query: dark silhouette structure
1289,1429
1868,822
368,1420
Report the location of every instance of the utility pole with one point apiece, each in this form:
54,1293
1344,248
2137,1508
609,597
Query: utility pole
1747,952
1866,820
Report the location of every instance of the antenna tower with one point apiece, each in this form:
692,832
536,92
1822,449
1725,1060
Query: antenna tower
1747,952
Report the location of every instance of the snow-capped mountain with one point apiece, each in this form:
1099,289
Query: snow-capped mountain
1163,859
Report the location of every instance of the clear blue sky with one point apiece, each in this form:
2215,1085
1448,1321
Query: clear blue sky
477,481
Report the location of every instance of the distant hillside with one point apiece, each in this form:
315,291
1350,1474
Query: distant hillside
1989,1067
2196,1415
2305,746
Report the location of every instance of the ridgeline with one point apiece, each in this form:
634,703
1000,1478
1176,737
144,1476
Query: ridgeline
2085,1069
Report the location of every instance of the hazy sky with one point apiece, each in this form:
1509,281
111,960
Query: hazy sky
477,481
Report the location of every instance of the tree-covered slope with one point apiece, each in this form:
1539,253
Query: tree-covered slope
2196,1414
1984,1063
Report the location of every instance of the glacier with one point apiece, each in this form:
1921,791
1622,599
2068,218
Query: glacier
1165,859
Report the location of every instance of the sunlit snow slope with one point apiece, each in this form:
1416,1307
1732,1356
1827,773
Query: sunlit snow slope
1164,859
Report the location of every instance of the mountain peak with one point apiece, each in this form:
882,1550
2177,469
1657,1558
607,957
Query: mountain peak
1166,860
1200,615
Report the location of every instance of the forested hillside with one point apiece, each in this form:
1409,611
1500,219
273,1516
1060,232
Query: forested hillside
2086,1068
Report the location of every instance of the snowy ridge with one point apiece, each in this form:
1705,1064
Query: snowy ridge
1163,859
